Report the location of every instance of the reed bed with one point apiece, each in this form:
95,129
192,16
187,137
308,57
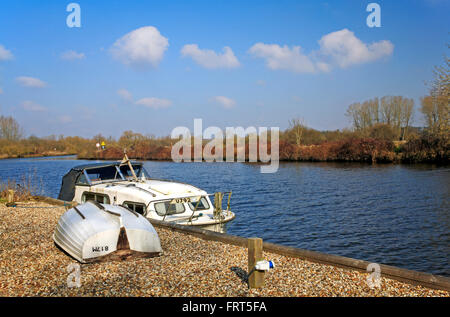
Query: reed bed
24,187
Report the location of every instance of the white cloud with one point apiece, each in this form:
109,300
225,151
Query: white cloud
142,47
284,58
72,55
323,67
345,49
125,95
5,54
154,103
225,102
209,58
32,106
31,82
337,49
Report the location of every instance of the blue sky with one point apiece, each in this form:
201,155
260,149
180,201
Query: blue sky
149,66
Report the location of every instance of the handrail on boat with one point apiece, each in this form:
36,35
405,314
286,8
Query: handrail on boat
195,209
141,189
229,197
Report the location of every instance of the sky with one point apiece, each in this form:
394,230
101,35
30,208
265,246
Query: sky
150,66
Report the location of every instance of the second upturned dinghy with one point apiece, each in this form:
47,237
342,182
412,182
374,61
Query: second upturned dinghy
93,232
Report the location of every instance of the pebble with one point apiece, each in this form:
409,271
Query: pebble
31,265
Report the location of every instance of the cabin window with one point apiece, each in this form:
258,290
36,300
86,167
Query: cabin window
136,207
202,205
104,199
165,208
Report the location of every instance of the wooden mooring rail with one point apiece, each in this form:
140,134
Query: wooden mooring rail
391,272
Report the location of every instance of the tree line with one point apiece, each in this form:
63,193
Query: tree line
393,112
10,129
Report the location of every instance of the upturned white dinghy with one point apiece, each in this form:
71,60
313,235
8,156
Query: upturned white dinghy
93,232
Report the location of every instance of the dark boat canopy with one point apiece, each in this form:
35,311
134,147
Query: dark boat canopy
85,174
100,165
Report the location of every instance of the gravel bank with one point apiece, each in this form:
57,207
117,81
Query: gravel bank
31,265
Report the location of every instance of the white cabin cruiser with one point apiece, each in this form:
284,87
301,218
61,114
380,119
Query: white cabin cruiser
128,184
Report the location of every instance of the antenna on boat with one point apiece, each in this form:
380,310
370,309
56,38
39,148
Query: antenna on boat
126,161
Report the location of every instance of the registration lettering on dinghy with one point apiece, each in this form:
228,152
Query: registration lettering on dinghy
100,249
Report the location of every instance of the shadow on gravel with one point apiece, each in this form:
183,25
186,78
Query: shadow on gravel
242,274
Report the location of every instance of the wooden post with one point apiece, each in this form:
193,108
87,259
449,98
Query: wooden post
217,203
255,278
10,197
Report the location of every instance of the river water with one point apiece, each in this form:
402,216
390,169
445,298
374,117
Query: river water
389,214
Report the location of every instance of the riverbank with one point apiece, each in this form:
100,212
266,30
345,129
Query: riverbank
346,148
190,266
45,154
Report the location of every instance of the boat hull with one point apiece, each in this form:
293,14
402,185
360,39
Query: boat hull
207,223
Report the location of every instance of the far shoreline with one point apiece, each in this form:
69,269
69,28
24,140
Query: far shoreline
365,162
19,156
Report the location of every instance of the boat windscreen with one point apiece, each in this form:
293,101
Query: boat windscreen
138,169
103,173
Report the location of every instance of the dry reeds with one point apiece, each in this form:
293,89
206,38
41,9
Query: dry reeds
25,187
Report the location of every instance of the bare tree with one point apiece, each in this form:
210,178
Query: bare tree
387,110
396,112
297,126
407,115
130,139
435,110
374,109
364,115
10,129
435,107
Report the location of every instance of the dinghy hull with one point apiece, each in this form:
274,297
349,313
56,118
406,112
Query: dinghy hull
96,232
